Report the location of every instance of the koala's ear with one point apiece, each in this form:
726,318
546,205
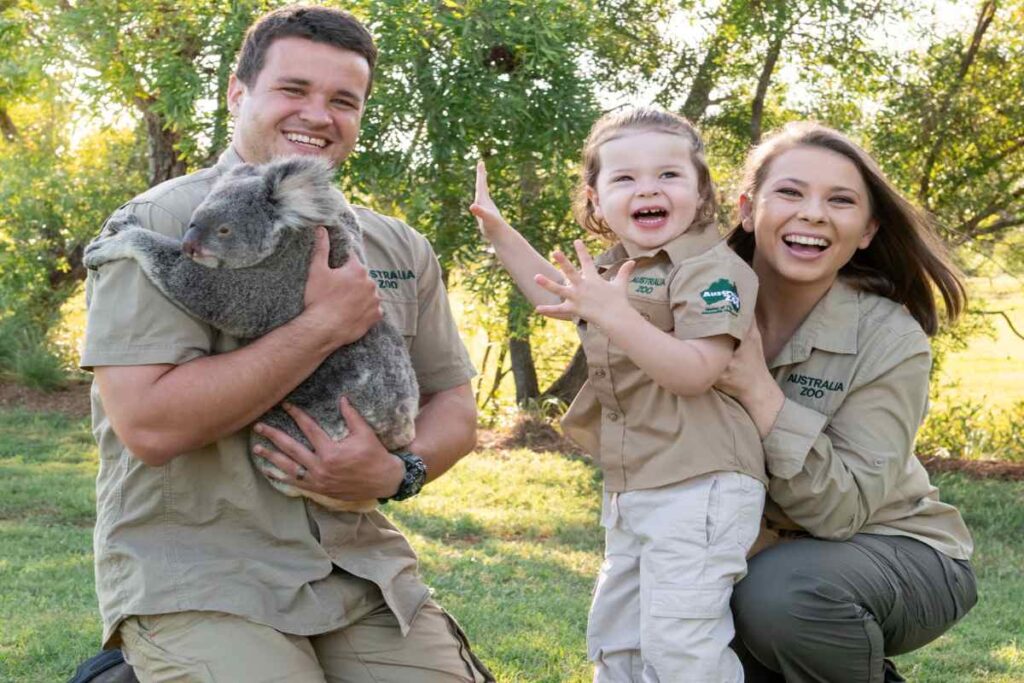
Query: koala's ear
301,188
243,171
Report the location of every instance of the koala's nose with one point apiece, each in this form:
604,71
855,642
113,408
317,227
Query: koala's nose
189,245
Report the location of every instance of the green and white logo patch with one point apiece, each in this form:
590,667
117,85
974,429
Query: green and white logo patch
721,297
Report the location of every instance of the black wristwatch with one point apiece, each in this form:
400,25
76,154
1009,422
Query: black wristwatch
415,477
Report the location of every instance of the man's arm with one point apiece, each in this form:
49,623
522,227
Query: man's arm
161,411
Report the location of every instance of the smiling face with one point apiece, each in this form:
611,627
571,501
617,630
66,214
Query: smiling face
647,191
307,99
809,216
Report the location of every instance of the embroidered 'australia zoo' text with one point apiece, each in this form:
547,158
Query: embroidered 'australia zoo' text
814,387
646,285
389,279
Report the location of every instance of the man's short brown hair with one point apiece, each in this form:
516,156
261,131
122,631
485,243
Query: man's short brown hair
318,24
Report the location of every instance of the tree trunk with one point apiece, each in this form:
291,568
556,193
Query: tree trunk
523,370
699,97
164,162
571,380
757,109
7,127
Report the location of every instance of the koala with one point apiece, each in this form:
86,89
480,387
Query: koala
241,267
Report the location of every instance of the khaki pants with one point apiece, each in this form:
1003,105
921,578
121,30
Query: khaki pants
211,647
672,555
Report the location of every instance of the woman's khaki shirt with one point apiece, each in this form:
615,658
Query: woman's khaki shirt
643,435
841,453
206,531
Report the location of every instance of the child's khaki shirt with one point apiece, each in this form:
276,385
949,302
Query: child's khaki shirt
642,435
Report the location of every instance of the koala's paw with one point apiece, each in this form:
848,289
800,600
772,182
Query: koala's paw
111,245
119,222
274,475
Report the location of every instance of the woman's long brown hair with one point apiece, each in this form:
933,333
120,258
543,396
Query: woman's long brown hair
905,258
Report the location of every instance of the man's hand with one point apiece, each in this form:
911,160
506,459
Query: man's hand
357,467
341,302
585,294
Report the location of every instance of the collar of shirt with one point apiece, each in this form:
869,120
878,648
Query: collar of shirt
831,326
228,159
686,245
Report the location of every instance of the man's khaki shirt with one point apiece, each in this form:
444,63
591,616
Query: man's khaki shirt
642,435
841,453
206,531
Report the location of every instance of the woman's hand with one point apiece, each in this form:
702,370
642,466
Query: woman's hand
748,380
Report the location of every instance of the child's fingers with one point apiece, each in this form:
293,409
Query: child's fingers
482,191
558,311
625,272
555,288
566,266
586,262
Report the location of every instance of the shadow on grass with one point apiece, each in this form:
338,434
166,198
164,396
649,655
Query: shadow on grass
465,530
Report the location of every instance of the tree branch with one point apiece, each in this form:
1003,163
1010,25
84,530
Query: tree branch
757,108
1004,316
969,228
933,124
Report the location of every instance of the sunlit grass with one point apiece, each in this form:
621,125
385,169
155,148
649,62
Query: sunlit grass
991,369
509,541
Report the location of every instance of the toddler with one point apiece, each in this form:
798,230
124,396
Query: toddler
659,315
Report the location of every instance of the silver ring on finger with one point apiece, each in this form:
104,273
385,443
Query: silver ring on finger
301,472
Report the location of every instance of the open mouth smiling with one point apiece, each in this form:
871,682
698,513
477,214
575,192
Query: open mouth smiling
806,244
649,215
307,140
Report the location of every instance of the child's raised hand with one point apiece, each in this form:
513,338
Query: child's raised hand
488,218
585,294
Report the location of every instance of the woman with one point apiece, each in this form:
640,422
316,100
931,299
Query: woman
863,560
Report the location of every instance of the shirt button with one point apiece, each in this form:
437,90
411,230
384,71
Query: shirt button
600,372
614,417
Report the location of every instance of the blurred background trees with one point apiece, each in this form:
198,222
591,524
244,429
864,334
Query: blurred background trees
100,99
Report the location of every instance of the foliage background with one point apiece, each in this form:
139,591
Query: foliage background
101,99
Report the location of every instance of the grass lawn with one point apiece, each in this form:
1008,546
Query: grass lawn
509,540
991,369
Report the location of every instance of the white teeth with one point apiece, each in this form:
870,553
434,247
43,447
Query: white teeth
807,240
650,212
305,139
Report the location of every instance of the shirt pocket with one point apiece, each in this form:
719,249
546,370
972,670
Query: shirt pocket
402,315
656,312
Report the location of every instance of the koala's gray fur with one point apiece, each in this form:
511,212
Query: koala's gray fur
250,279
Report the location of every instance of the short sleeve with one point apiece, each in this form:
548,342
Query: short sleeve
129,321
438,354
713,295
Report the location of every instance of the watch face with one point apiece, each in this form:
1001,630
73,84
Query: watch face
415,476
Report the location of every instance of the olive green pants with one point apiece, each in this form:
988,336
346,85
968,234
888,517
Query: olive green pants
831,611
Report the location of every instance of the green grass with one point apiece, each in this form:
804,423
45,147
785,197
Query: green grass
509,541
991,369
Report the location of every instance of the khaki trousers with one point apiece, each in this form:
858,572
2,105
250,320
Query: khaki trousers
207,647
672,555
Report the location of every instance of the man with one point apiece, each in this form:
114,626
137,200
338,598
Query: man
203,570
